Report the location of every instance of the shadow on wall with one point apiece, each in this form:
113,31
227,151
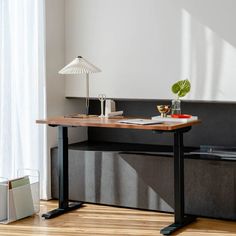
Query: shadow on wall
121,179
208,48
137,184
153,191
154,44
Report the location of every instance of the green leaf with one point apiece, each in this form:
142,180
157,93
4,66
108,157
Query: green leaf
175,88
181,87
181,94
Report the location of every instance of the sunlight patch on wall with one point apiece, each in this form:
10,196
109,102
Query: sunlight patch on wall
208,61
186,44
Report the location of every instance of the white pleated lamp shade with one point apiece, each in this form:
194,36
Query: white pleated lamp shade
79,66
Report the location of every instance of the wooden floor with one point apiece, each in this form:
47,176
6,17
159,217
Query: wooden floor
103,220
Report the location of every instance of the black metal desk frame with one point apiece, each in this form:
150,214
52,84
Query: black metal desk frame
180,219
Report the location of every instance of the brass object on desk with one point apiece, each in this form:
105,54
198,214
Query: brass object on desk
163,109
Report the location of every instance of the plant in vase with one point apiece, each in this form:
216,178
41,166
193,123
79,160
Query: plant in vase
180,88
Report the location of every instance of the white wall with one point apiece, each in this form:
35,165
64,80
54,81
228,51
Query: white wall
55,84
143,46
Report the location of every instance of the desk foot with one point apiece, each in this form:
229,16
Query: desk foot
176,226
59,211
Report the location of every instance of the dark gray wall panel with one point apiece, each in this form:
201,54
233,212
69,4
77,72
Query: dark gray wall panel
146,182
218,124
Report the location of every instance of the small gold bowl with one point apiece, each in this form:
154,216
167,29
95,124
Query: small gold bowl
163,109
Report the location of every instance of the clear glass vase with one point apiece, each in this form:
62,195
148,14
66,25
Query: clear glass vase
176,107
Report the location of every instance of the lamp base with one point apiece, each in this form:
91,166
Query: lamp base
80,116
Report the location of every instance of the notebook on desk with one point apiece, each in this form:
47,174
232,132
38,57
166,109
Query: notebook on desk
140,121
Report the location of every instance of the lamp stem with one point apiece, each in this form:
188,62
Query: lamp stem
87,94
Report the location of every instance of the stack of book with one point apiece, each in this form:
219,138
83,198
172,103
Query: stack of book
174,119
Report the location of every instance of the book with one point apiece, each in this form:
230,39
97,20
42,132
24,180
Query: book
11,208
14,183
22,198
3,200
140,121
114,113
171,119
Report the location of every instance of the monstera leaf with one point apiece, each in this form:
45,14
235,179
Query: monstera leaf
181,88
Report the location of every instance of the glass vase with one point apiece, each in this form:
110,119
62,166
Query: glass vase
176,107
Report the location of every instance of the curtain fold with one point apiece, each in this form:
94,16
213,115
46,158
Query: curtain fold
22,88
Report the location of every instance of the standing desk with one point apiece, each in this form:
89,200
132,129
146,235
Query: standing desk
177,129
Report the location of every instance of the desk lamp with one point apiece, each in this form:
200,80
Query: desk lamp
80,66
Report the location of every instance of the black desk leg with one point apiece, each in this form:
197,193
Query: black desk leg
64,205
180,219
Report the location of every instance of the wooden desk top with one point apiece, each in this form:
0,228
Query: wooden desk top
112,123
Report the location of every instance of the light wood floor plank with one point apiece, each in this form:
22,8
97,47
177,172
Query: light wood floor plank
103,221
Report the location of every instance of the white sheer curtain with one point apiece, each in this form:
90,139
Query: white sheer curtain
22,88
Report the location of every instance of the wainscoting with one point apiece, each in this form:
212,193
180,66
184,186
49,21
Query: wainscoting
100,173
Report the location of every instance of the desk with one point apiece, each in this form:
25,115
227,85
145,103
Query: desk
178,129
